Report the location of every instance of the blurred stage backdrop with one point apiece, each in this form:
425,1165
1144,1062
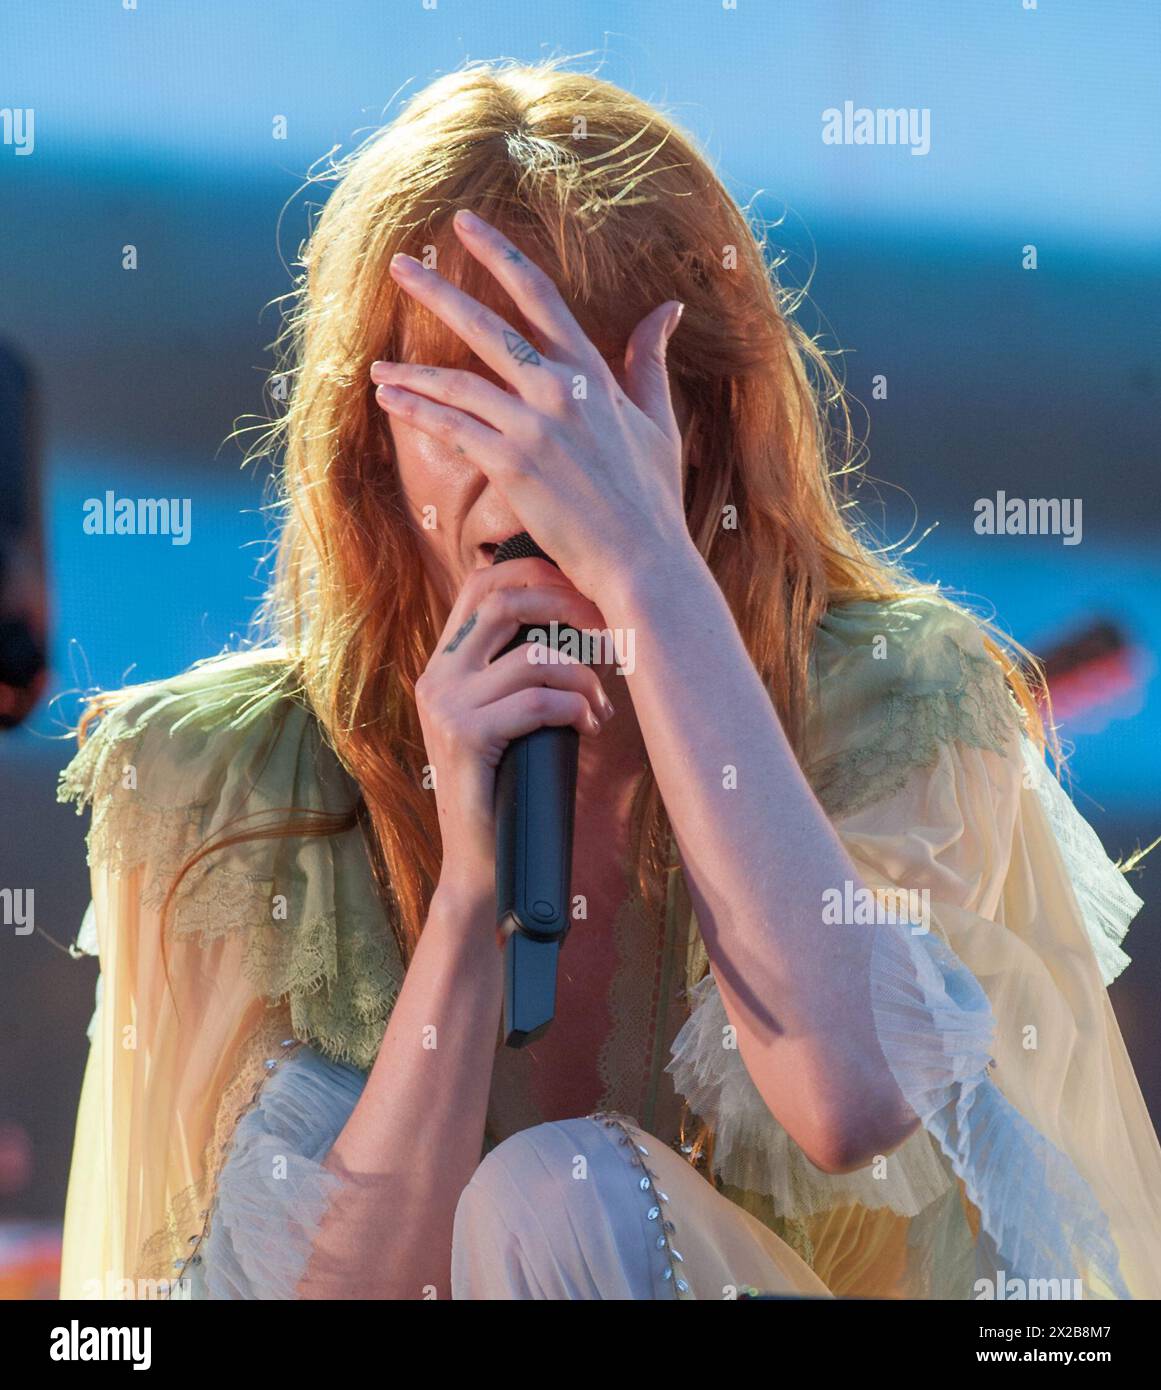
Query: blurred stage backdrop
1032,373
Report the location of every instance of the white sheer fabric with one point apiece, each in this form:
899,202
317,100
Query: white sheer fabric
587,1208
274,1190
595,1208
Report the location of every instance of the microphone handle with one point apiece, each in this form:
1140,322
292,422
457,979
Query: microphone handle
535,805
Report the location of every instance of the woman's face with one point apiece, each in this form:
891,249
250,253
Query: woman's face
457,513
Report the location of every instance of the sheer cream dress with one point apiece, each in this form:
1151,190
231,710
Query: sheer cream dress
209,1103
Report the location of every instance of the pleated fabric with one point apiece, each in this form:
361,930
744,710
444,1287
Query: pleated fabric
274,1189
269,942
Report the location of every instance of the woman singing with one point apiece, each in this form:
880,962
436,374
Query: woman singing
832,1015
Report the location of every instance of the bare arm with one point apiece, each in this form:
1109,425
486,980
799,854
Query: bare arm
417,1132
758,857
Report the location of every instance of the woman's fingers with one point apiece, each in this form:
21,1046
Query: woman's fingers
494,605
503,612
533,291
535,708
494,341
535,663
481,582
455,429
469,392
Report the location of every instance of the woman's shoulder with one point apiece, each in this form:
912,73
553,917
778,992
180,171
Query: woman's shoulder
166,738
920,634
217,692
891,682
170,764
219,788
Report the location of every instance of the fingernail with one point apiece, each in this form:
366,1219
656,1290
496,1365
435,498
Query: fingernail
607,707
403,264
380,369
673,321
594,723
467,219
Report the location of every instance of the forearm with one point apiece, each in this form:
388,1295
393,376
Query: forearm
759,852
416,1135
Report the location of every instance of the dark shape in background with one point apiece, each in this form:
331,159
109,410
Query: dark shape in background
23,606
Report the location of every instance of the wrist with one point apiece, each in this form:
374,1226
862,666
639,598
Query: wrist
653,584
466,897
463,910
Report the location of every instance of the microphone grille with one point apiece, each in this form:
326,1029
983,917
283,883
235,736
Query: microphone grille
521,546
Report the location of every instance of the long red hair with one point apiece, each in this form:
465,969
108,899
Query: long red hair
623,211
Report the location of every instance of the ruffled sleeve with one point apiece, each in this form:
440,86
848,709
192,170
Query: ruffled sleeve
270,941
275,1189
987,986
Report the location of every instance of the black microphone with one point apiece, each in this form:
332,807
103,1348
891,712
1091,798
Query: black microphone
535,807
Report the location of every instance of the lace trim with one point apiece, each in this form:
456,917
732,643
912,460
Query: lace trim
165,1256
128,829
978,710
341,984
95,774
341,977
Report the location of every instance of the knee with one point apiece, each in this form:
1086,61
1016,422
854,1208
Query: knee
557,1211
531,1166
558,1164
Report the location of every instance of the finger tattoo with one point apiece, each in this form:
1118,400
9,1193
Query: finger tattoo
463,632
521,349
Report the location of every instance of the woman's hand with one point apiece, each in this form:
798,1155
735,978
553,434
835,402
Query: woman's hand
471,706
595,480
